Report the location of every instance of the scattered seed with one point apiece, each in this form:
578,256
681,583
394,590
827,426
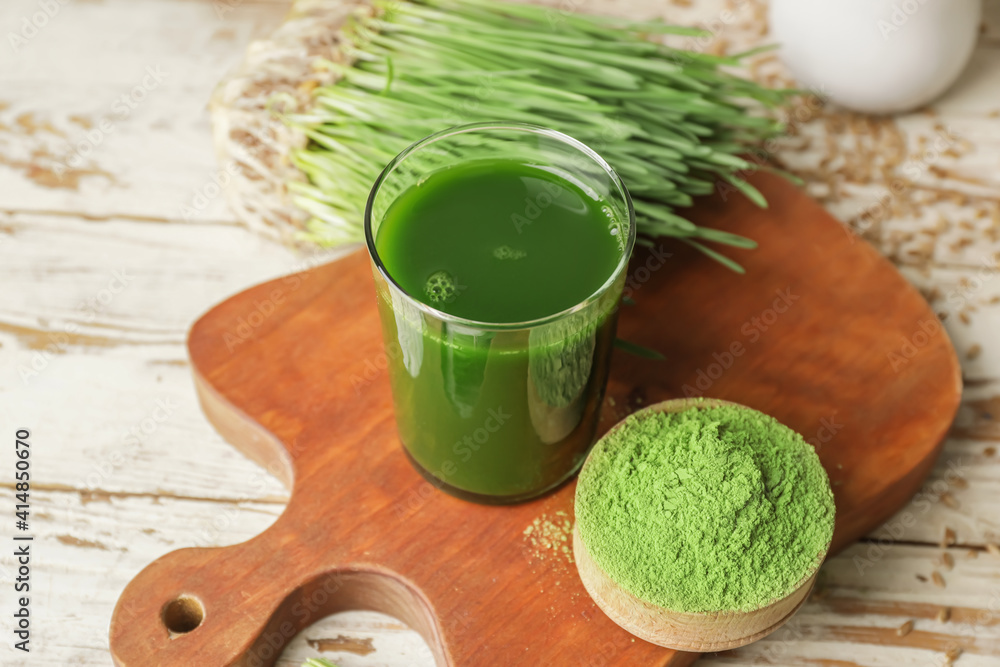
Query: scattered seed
993,548
308,86
937,579
947,561
972,553
974,351
953,653
719,47
904,629
949,500
922,578
944,614
948,538
990,451
959,482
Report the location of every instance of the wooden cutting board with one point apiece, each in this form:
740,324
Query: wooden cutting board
821,332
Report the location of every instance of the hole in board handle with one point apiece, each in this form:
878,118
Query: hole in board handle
183,614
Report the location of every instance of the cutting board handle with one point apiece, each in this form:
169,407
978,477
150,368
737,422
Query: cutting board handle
189,597
242,605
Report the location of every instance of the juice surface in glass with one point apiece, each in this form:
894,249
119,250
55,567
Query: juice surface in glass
499,241
497,397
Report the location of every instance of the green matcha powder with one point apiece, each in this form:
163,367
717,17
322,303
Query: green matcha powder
710,509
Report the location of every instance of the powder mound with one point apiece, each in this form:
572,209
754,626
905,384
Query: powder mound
710,509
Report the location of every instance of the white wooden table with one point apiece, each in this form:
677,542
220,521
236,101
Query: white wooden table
113,240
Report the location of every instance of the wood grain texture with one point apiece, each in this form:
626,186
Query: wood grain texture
179,486
363,530
67,141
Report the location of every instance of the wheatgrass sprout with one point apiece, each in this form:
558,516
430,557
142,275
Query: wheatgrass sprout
673,123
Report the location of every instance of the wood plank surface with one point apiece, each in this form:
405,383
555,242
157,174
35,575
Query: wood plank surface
61,242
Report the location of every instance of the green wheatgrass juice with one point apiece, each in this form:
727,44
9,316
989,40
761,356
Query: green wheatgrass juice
493,411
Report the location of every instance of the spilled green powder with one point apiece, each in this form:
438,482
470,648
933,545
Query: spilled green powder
550,537
710,509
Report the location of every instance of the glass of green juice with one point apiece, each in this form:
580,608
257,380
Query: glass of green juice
499,252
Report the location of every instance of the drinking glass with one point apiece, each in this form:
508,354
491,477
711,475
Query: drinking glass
499,412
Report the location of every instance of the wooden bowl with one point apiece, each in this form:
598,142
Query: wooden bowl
683,631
